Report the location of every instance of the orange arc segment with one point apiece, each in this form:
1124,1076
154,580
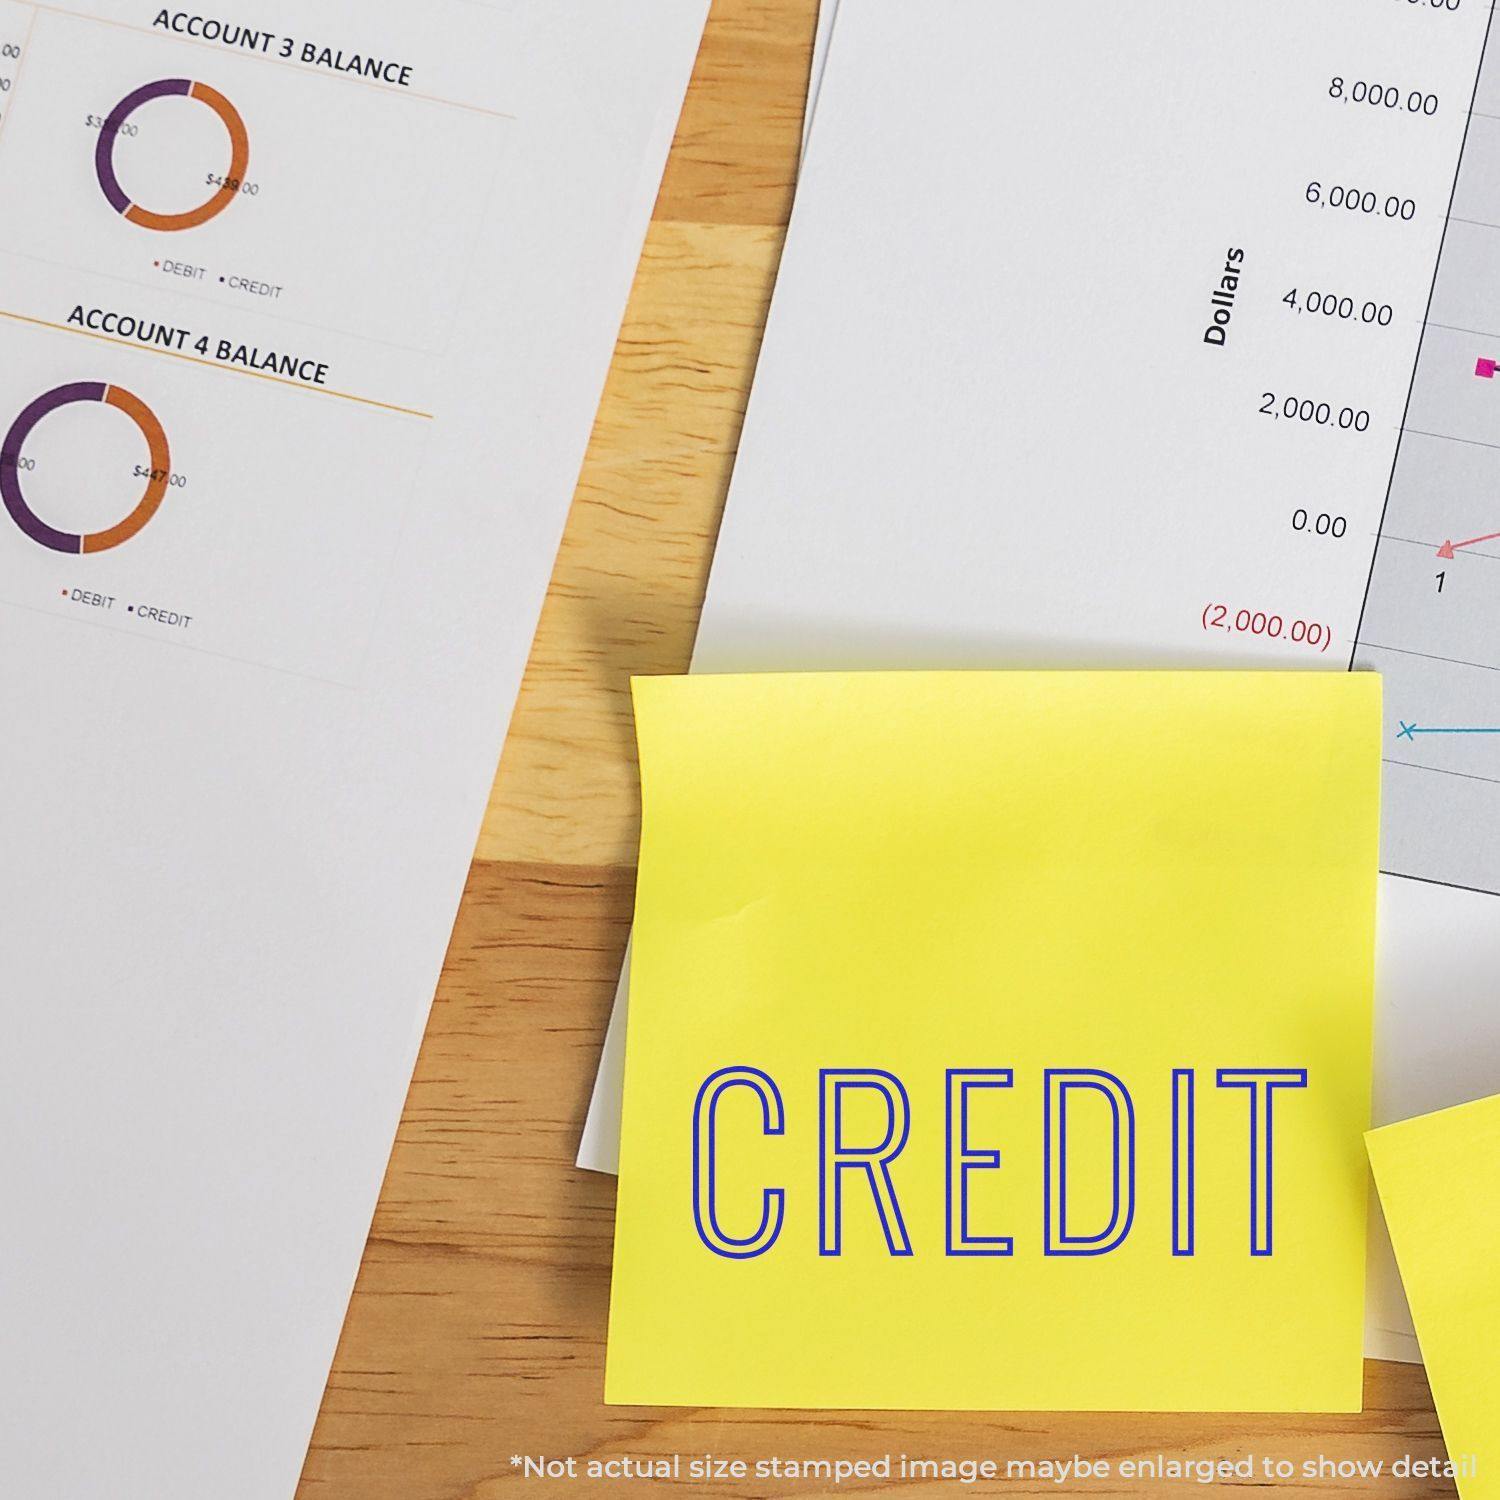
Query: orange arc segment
239,164
156,486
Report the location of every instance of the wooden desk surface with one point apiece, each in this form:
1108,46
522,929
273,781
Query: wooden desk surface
477,1329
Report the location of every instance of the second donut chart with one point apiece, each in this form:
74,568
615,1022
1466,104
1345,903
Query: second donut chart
12,457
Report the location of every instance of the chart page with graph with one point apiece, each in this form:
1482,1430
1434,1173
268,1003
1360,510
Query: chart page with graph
1121,355
305,311
1431,619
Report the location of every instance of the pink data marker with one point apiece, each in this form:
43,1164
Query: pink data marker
1485,369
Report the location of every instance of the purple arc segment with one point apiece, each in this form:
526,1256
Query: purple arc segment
104,151
21,513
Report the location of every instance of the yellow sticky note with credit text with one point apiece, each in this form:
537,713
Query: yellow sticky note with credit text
999,1040
1439,1182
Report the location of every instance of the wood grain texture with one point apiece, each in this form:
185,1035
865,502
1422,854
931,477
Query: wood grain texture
477,1328
633,566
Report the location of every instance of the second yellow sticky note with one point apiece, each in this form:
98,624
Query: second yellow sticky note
1438,1188
999,1041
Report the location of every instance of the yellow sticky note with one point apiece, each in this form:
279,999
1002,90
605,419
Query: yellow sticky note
999,1040
1440,1192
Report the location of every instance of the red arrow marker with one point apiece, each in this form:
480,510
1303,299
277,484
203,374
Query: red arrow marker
1448,549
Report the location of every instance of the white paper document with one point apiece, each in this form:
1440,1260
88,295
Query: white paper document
1102,337
305,309
827,13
